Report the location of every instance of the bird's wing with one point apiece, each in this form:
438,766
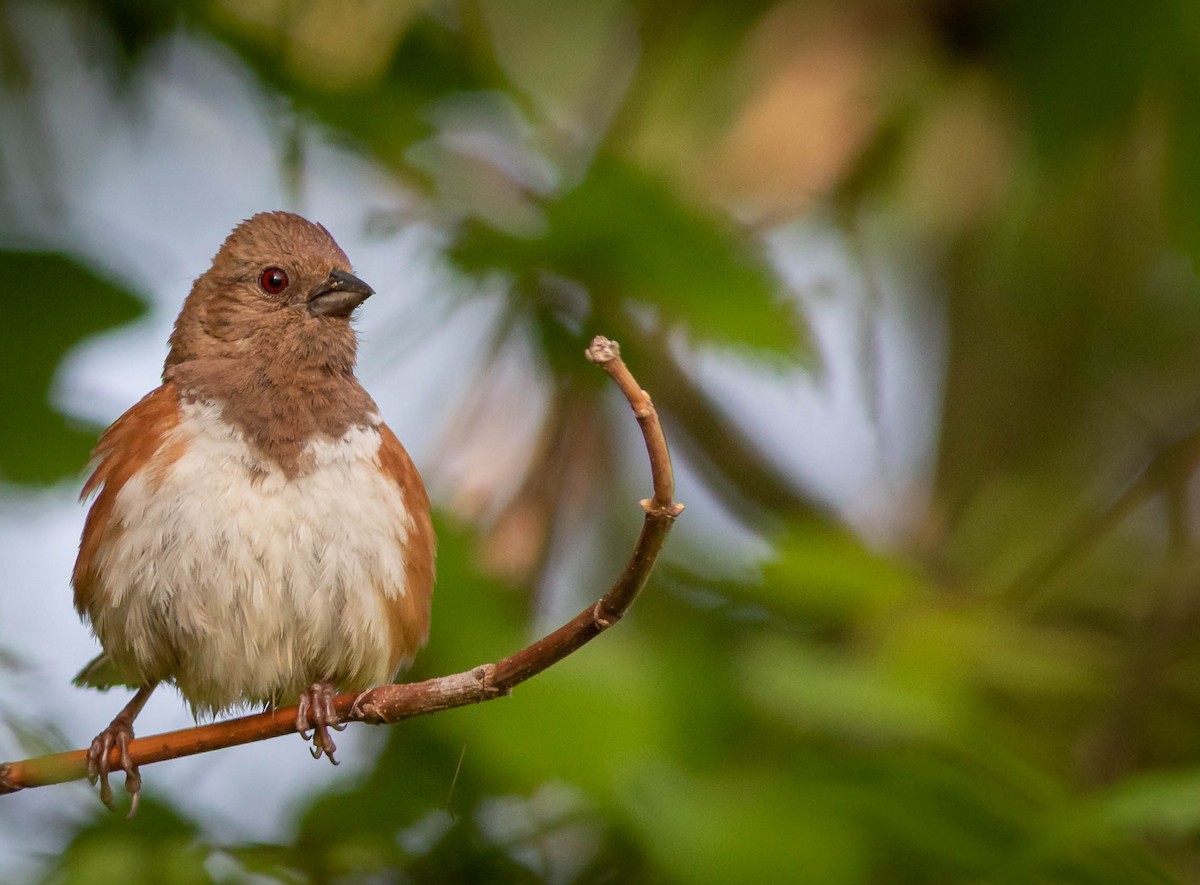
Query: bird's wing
103,674
124,449
408,612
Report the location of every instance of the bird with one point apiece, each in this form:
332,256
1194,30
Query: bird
258,536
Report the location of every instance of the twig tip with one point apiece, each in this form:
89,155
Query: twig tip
602,350
6,785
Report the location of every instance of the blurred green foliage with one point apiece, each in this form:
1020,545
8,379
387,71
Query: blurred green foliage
53,303
1005,690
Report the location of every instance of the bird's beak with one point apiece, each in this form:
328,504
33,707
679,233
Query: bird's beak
338,294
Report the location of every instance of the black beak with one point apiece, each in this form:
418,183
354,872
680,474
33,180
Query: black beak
338,295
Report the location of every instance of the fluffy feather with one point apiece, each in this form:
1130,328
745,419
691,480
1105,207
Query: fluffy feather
256,528
240,584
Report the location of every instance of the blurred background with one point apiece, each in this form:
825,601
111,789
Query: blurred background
913,286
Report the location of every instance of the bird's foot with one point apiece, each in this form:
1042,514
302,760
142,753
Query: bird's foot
118,734
317,712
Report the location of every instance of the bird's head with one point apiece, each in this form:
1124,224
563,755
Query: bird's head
279,288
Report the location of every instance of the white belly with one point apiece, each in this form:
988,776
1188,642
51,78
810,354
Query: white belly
244,586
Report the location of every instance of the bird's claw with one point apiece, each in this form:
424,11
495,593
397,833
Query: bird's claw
316,712
118,734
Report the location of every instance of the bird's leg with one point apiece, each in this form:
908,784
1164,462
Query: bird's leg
118,734
316,711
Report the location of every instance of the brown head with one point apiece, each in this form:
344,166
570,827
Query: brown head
279,285
265,333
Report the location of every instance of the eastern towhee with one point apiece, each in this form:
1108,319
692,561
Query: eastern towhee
259,536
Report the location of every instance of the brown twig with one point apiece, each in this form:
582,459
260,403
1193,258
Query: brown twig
392,703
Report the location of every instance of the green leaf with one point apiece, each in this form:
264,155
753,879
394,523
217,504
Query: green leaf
1163,803
629,239
824,571
1083,66
158,845
845,692
1183,170
741,826
387,114
53,304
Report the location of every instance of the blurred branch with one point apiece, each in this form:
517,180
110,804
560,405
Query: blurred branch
1155,634
392,703
1168,467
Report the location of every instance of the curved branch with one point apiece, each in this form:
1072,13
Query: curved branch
392,703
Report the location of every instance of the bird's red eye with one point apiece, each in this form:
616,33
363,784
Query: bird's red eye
273,280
